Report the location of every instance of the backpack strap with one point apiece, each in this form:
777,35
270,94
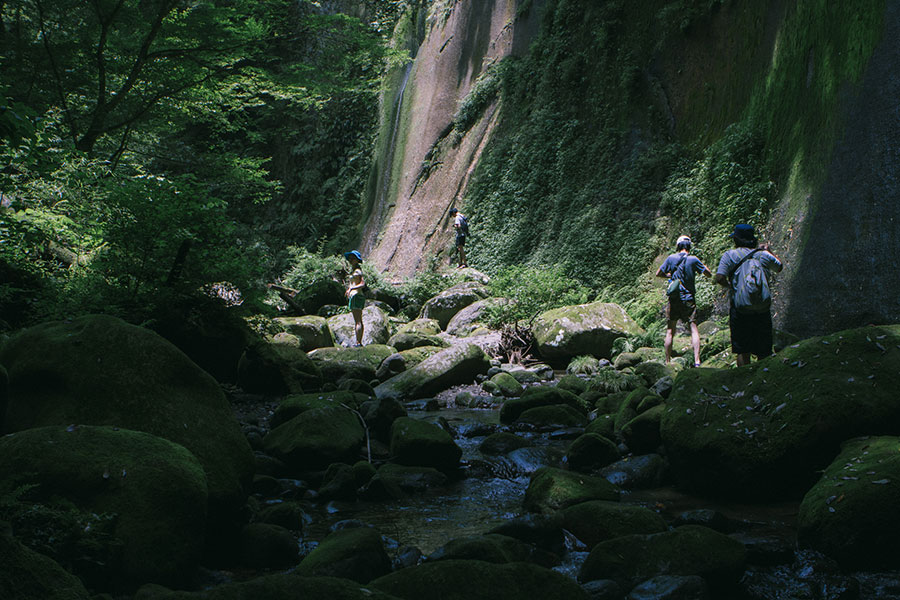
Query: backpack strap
680,262
738,265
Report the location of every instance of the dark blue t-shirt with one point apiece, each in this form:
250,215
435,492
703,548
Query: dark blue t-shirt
686,272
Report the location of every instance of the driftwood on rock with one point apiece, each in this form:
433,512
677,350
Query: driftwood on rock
287,294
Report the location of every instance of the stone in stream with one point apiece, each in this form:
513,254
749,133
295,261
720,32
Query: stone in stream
408,340
273,368
763,431
357,554
401,361
455,365
587,329
502,442
316,438
29,575
534,397
267,546
494,548
379,415
398,481
636,472
552,489
526,461
445,305
312,331
641,434
296,404
422,444
280,586
506,384
337,364
670,587
591,452
551,417
596,521
375,327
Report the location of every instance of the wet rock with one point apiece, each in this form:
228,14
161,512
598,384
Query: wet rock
707,517
407,556
566,433
526,461
507,385
282,586
448,303
850,514
267,546
767,546
297,404
268,465
627,359
316,438
535,397
500,443
494,548
362,363
271,368
525,376
28,575
688,550
312,331
587,329
669,587
663,386
552,489
357,554
541,531
573,383
603,589
289,515
380,415
452,366
637,472
551,417
603,425
408,340
375,327
469,318
596,521
422,326
764,430
341,481
459,579
641,434
401,361
591,452
421,444
398,481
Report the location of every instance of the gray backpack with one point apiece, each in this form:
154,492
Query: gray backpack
750,286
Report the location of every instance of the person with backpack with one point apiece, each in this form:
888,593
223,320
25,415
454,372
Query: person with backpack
461,224
680,269
744,270
356,298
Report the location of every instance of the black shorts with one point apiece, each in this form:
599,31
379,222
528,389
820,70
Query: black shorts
751,333
460,239
681,310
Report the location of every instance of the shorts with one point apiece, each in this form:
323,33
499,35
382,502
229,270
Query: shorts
681,310
357,301
751,333
460,240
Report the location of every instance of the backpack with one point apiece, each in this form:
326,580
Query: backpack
674,288
750,287
463,225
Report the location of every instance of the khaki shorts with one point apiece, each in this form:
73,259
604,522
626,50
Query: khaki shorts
681,310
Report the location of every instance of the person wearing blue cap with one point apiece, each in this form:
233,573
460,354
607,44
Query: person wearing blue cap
680,268
355,296
744,271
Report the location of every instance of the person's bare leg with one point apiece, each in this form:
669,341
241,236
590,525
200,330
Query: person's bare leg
695,342
357,317
462,257
743,359
670,335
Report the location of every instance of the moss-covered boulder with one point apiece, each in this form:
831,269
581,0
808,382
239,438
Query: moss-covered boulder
445,305
312,331
422,326
407,340
397,481
281,586
276,368
401,361
851,513
551,489
316,438
357,554
342,481
4,393
267,546
155,489
380,414
553,416
572,383
603,425
467,320
337,364
296,404
376,327
641,434
766,429
687,550
99,370
507,384
494,548
502,442
28,575
470,579
453,366
421,444
534,397
652,371
586,329
590,452
597,521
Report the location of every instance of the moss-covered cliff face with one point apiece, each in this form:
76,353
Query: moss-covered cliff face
625,124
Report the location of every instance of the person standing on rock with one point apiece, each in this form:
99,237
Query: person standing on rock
461,224
357,300
744,270
680,268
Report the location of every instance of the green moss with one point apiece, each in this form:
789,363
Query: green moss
534,397
598,521
356,554
551,489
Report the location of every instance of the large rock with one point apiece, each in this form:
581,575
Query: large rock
281,586
598,521
469,318
851,513
493,547
765,430
28,575
99,370
421,444
156,489
297,404
401,361
357,554
551,489
319,293
564,333
376,328
472,579
393,481
362,363
590,452
316,438
455,365
276,368
406,340
687,550
312,331
535,397
423,326
445,305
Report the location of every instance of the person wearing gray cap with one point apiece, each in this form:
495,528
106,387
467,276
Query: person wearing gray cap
680,269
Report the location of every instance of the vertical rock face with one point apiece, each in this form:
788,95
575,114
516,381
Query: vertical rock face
431,163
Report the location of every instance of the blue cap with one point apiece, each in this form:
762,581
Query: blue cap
355,253
742,231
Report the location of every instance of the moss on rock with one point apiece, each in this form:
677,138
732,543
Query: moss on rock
376,328
282,586
507,384
555,415
586,329
316,438
493,548
421,444
28,575
597,521
312,331
534,397
407,340
502,442
455,365
297,404
357,554
590,452
350,363
551,489
275,368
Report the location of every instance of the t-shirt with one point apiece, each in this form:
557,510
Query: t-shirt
459,223
732,257
686,272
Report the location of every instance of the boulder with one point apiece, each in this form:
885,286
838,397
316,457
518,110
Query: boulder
267,546
421,444
850,514
357,554
401,361
297,404
448,303
636,472
598,520
156,489
455,365
554,416
507,384
276,369
342,481
500,443
669,587
493,548
534,397
380,414
551,489
470,579
316,438
407,340
375,327
393,481
564,333
312,331
469,318
289,515
572,383
280,586
764,431
687,550
530,459
422,326
591,452
99,370
29,575
362,363
641,434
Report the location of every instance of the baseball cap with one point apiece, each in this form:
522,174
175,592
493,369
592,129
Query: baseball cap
744,232
682,239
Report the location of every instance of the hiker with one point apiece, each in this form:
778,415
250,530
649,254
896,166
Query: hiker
357,299
744,270
680,268
461,224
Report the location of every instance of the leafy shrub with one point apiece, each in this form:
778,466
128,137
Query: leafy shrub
531,291
583,365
